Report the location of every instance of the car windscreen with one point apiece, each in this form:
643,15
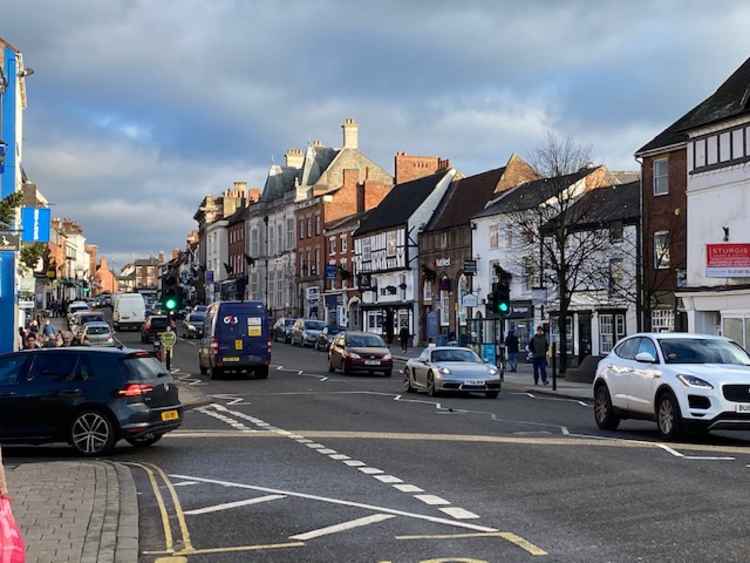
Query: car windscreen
197,318
144,368
314,325
97,330
91,319
702,351
454,356
76,308
158,322
364,341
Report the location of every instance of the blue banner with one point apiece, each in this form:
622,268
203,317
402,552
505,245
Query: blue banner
35,223
330,271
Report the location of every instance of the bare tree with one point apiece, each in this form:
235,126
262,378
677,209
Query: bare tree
549,226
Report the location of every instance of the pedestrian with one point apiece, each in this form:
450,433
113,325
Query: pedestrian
403,337
511,346
168,340
49,329
31,343
59,340
538,348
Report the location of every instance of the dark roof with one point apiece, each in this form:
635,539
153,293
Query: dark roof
238,216
731,99
279,181
317,159
620,202
531,194
347,221
400,203
464,198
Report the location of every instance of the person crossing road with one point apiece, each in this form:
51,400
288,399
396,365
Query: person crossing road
168,339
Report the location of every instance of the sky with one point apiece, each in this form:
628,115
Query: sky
138,109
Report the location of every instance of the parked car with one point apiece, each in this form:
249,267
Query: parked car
128,311
305,332
96,333
451,368
359,351
152,327
192,326
88,397
282,330
682,381
326,336
236,339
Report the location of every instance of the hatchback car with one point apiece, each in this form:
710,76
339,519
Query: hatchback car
305,332
88,397
152,327
96,334
282,330
359,351
326,337
450,368
682,381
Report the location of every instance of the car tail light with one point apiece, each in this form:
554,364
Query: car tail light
135,390
214,345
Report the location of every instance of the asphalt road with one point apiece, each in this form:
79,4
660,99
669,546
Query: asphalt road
312,466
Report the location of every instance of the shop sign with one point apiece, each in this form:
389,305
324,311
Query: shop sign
364,282
442,262
470,300
728,260
330,271
470,267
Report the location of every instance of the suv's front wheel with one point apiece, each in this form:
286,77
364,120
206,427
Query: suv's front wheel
92,433
668,417
604,413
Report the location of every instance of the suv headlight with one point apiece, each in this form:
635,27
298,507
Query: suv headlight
692,381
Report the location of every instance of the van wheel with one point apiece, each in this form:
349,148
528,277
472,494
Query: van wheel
262,372
92,433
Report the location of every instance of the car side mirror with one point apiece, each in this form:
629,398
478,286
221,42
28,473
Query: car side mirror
645,358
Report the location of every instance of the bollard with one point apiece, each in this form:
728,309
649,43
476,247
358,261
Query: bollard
554,366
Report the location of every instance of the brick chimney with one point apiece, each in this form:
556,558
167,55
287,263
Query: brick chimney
517,171
370,193
350,130
408,167
253,195
161,257
293,158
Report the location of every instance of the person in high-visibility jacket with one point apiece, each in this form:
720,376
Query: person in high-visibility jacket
168,339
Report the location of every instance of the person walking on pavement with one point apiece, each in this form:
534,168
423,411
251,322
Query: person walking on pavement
403,337
49,330
511,345
538,348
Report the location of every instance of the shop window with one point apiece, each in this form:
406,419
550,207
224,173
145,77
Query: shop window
733,329
611,329
662,320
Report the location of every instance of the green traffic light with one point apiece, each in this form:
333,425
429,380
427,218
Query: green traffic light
503,307
171,304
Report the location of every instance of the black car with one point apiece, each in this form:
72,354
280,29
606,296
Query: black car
90,398
152,327
192,326
282,330
326,336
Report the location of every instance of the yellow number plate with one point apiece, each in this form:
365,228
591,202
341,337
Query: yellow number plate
170,415
231,358
254,331
238,344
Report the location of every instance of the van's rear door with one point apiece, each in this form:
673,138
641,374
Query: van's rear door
244,332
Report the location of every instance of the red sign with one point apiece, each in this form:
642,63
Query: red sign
728,260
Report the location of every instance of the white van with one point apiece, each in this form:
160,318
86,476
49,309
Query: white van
128,311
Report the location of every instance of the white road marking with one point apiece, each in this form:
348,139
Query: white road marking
303,441
432,500
232,399
388,479
228,505
409,488
230,421
459,513
371,470
315,446
355,463
324,379
327,451
707,458
300,372
185,483
339,457
365,521
279,368
341,502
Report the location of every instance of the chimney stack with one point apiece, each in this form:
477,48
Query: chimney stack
351,133
293,158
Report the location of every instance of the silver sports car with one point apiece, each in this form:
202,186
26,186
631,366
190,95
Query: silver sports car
448,368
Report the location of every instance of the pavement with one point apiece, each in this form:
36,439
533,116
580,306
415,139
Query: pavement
75,511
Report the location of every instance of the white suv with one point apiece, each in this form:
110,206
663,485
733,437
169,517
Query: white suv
679,380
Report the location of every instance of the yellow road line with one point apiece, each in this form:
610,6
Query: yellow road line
168,541
522,543
240,548
508,536
186,541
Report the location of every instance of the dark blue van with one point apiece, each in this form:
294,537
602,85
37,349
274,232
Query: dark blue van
236,339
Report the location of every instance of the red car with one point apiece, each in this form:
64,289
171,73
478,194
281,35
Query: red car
359,352
152,327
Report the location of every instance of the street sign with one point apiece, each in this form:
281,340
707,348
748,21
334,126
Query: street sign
470,300
364,282
10,241
470,267
330,271
35,224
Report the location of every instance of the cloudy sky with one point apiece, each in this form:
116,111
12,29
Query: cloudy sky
137,109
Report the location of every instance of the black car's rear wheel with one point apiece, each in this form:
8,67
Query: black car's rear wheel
92,433
143,441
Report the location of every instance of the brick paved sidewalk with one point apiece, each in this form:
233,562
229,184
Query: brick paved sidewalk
83,512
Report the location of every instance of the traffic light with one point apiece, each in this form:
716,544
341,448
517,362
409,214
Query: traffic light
170,303
499,299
